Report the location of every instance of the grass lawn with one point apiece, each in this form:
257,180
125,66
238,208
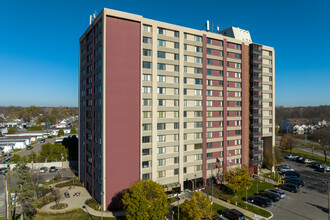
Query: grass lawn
77,214
309,155
240,197
270,175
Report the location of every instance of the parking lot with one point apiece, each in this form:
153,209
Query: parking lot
312,200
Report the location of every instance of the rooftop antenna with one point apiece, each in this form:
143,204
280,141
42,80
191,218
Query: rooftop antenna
90,19
207,25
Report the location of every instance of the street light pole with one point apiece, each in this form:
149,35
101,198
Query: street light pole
246,197
195,184
102,193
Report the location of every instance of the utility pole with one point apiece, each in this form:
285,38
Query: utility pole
6,185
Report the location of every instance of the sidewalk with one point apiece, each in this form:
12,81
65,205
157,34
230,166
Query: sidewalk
245,212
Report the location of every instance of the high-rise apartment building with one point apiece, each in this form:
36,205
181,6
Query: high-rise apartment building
169,103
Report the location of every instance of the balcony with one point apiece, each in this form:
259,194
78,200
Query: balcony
256,143
256,106
256,78
256,124
256,115
257,152
256,87
256,97
255,134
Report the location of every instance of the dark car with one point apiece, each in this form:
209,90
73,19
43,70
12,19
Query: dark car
52,169
42,140
289,187
29,147
233,214
273,196
290,173
217,217
300,159
296,181
260,201
324,169
277,191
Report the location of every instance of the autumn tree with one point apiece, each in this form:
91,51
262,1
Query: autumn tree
268,159
322,136
199,207
145,199
73,130
287,142
52,152
238,178
278,155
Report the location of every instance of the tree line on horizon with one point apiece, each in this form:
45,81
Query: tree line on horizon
53,114
309,112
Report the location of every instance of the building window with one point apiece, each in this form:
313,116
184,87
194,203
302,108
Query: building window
146,127
146,28
209,155
209,51
209,103
146,52
161,31
146,89
198,113
210,166
161,54
161,150
176,102
237,75
176,56
146,152
176,125
161,174
198,60
161,138
198,38
197,70
146,77
161,114
176,137
238,161
146,115
161,126
198,156
176,171
198,135
209,145
161,66
161,78
198,49
209,61
198,167
161,162
198,81
185,170
176,148
146,40
176,159
209,92
161,43
198,92
238,56
238,84
146,102
209,134
237,65
176,45
145,164
176,33
161,90
238,46
237,151
209,124
198,124
146,139
209,72
198,102
209,41
146,65
146,176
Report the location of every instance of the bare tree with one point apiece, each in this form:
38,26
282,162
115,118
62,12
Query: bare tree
57,196
322,136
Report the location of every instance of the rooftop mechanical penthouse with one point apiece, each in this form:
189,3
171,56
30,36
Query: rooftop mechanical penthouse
168,103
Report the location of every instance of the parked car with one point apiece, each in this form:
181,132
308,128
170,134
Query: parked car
43,170
29,147
291,156
217,217
42,140
300,159
277,191
233,214
260,200
315,165
285,169
324,169
289,187
3,170
52,169
308,161
283,166
273,196
291,173
295,181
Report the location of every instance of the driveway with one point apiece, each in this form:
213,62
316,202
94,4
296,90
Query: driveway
36,147
312,200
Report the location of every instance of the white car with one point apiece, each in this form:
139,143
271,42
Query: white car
291,156
43,170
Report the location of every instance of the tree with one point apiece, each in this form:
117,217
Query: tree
199,207
268,159
26,192
73,130
60,132
12,130
35,128
145,199
322,136
71,143
52,152
278,155
287,142
238,179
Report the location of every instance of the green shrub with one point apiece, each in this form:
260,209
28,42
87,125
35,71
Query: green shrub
93,204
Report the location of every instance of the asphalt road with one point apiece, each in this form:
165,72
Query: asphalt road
312,200
36,148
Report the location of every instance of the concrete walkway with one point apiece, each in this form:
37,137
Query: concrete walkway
73,202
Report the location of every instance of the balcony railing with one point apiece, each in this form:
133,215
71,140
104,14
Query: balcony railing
256,106
256,87
256,78
255,143
256,124
257,152
255,115
254,134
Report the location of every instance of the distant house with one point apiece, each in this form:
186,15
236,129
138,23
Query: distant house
285,127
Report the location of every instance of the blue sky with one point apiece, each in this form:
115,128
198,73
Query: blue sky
39,43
